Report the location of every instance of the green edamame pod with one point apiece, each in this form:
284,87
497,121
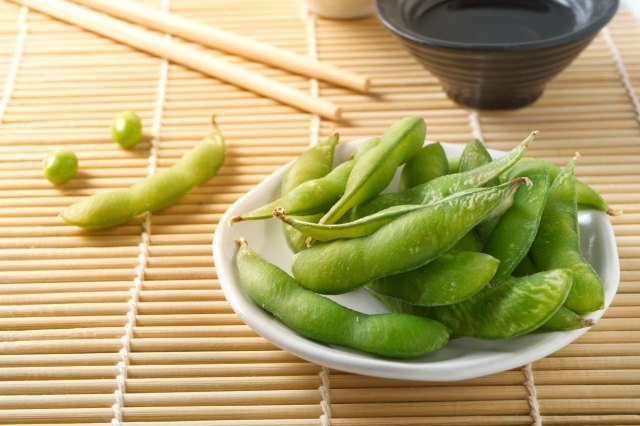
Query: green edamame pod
454,165
508,309
525,267
450,278
296,240
474,155
515,231
557,244
314,196
375,169
468,243
565,320
359,228
427,164
321,319
314,163
442,187
410,241
586,196
156,192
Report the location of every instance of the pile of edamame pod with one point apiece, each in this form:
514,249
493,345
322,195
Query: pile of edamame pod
467,247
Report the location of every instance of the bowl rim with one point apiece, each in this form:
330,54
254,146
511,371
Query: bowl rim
347,360
589,30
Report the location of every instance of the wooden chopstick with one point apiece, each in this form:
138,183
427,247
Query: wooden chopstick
227,41
182,54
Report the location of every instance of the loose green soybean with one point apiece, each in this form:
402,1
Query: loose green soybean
126,129
408,242
60,166
442,187
427,164
508,309
375,169
313,196
565,320
516,229
156,192
316,317
557,244
450,278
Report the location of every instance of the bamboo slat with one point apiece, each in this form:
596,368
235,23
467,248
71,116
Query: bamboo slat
64,293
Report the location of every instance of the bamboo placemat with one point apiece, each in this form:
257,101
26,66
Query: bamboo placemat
129,325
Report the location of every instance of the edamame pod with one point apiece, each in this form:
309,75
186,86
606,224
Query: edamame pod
586,196
474,155
515,231
156,192
557,244
565,320
314,163
410,241
450,278
526,267
508,309
359,228
316,317
444,186
314,196
375,169
427,164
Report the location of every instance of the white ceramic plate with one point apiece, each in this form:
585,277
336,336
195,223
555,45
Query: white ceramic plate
460,359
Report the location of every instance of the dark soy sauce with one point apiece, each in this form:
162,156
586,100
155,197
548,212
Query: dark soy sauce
494,21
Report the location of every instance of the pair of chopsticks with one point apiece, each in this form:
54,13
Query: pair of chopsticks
206,35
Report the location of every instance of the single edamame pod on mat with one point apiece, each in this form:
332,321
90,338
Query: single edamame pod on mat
410,241
427,164
516,229
557,244
316,317
508,309
156,192
565,320
315,163
442,187
586,196
375,169
313,196
450,278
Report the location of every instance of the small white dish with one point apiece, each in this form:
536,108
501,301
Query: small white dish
460,359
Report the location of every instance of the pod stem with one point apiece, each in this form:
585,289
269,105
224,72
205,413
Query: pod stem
279,213
584,322
519,181
235,219
240,241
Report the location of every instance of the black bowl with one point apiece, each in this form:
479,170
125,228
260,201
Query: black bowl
488,70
